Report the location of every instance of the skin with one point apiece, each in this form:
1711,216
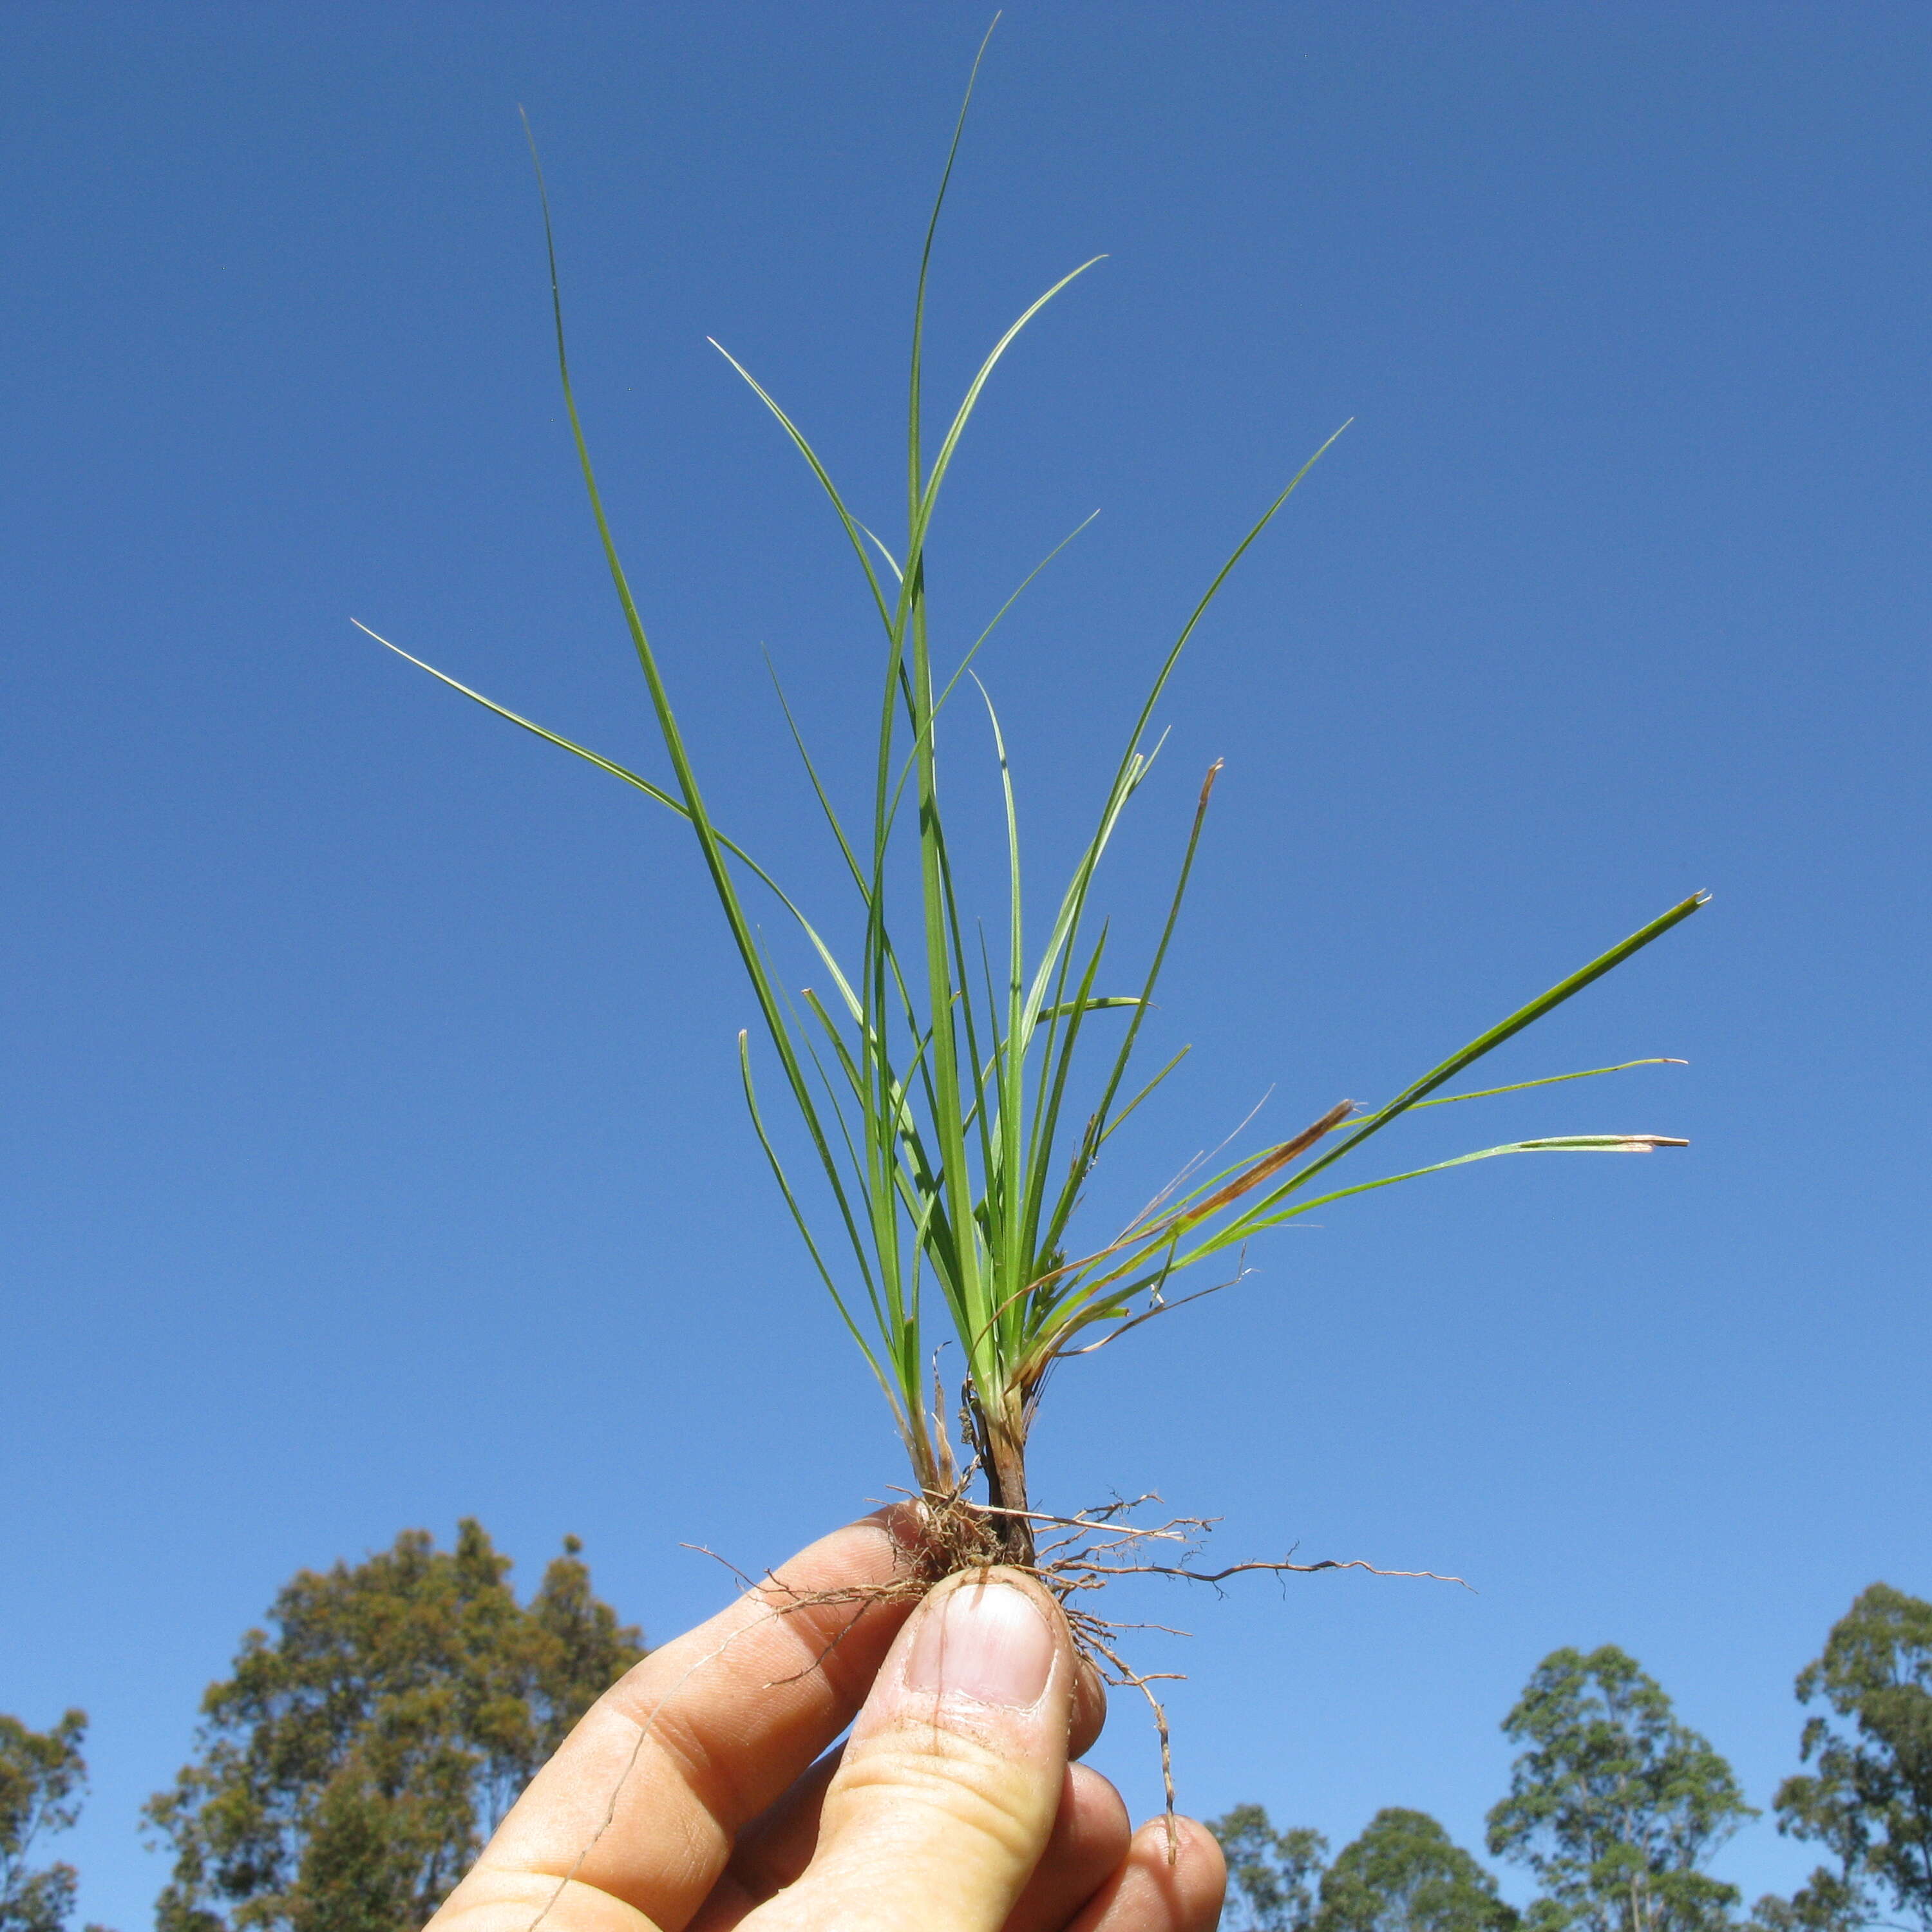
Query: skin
699,1794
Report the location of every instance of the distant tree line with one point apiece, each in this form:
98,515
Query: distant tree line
371,1736
1616,1808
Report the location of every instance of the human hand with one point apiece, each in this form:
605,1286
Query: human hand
687,1800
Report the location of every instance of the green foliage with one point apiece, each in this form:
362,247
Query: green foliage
1615,1805
1271,1874
1825,1904
1405,1873
956,1084
349,1769
1868,1799
42,1775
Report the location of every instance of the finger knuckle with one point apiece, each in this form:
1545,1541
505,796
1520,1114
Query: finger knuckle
957,1787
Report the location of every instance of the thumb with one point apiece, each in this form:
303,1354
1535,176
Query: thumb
949,1787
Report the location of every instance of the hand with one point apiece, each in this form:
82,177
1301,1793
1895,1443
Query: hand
688,1800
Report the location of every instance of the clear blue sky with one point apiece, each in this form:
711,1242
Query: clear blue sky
372,1149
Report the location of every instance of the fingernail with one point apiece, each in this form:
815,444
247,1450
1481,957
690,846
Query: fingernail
987,1641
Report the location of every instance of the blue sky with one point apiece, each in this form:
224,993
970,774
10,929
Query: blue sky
373,1148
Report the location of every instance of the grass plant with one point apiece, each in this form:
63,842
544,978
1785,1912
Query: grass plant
954,1097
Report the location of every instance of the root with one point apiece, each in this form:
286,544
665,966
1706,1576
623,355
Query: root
1093,1635
1283,1568
1075,1555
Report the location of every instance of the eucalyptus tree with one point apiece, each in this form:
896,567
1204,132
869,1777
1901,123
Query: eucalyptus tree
42,1776
1614,1804
1405,1873
1867,1798
374,1734
1272,1875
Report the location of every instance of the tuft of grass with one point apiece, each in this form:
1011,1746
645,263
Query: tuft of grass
936,1084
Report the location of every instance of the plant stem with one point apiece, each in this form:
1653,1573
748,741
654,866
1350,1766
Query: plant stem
1006,1489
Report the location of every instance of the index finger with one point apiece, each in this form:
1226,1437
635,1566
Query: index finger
631,1822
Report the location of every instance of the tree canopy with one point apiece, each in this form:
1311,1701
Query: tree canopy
1271,1874
348,1771
1614,1804
1867,1798
42,1775
1405,1873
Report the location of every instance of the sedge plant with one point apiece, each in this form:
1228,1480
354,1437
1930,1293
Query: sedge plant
954,1098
